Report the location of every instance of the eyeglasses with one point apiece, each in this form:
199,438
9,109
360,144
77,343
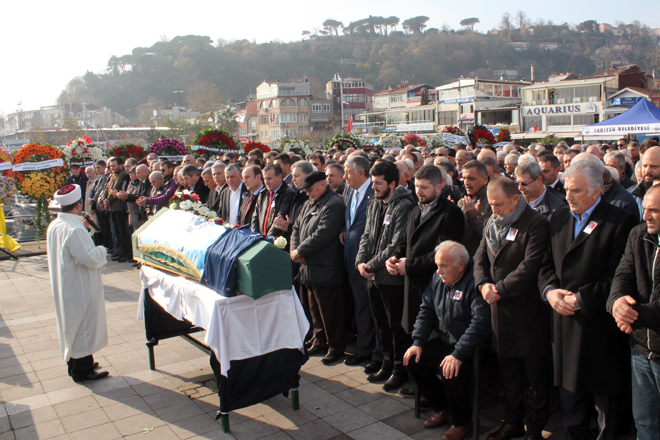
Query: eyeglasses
525,185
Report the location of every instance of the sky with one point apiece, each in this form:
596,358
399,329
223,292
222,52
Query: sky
48,43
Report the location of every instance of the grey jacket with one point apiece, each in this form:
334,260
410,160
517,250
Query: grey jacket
379,241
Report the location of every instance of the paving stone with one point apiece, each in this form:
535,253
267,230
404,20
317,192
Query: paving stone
84,420
379,431
252,429
194,426
106,431
383,408
76,406
350,419
33,417
43,430
136,424
316,430
127,409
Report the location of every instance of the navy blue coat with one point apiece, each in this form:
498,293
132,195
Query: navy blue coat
354,230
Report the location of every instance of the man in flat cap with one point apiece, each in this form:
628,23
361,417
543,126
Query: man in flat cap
315,246
74,265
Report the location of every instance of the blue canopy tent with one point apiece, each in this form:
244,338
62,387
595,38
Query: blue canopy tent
642,118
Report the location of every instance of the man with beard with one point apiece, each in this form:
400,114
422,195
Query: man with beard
474,205
387,217
650,175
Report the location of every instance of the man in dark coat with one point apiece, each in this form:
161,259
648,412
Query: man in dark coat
591,355
274,199
194,182
299,171
474,205
315,246
506,270
635,305
434,220
550,167
254,182
541,198
358,196
441,367
218,174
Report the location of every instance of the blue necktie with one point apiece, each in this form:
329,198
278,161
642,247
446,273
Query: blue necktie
354,204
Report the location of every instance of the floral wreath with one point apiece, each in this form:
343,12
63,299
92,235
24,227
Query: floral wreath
256,145
435,141
288,144
168,147
5,158
128,151
348,140
7,189
479,135
42,182
452,129
81,151
389,140
215,140
504,135
414,140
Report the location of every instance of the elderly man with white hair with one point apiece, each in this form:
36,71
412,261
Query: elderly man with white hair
510,164
617,160
591,356
613,192
452,307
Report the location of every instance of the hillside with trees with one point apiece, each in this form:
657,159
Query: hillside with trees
383,50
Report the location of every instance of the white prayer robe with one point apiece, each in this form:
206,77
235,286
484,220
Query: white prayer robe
74,264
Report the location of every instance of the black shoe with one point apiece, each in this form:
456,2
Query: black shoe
94,375
383,374
373,367
95,366
122,260
332,357
319,349
407,392
356,359
424,404
396,381
117,257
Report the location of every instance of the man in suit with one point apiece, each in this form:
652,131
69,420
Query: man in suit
232,195
315,246
506,269
194,182
541,198
218,175
299,171
358,195
207,177
284,162
550,166
617,160
474,204
591,356
254,182
275,199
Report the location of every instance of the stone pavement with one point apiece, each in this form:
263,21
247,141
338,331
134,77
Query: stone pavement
178,401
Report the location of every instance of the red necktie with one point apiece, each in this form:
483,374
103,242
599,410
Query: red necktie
270,202
247,208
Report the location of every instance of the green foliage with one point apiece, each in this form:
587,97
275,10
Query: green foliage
551,139
469,22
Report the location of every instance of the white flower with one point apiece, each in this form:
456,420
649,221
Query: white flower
197,205
280,242
204,211
186,205
211,215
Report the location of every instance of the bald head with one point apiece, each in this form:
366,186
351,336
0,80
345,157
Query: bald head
142,172
486,152
596,151
651,166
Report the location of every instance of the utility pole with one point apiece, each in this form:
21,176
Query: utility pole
179,92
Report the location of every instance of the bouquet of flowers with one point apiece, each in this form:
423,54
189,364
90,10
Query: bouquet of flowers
436,141
127,151
504,135
168,147
452,129
81,151
414,140
479,135
187,201
299,144
5,163
41,172
389,140
215,140
256,145
7,189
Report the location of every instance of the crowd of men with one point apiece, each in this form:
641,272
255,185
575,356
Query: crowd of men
425,254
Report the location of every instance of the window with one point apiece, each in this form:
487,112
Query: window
354,98
559,120
288,102
447,118
585,119
302,117
529,122
263,120
242,131
380,100
316,108
288,117
275,134
273,103
263,134
253,126
398,98
302,102
326,108
288,132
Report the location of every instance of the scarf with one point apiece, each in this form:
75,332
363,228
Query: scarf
607,181
497,227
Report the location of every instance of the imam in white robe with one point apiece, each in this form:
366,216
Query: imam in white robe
74,264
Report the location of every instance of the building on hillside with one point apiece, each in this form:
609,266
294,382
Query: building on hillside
173,113
563,107
604,27
471,101
321,117
548,45
284,110
355,95
404,108
92,116
252,121
520,46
